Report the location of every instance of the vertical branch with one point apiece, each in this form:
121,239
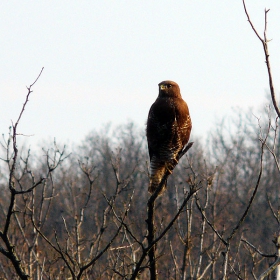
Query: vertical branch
225,264
265,42
193,190
203,229
277,244
151,220
187,239
151,234
176,270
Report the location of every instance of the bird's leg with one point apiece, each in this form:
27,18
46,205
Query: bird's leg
169,168
171,165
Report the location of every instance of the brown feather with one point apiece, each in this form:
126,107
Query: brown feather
168,131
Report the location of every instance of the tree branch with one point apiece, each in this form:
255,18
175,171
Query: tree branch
264,42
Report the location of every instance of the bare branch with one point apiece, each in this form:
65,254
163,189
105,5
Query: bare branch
11,253
270,269
257,250
264,42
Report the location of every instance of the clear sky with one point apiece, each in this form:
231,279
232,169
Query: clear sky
104,59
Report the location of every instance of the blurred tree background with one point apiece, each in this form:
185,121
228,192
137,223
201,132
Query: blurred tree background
87,217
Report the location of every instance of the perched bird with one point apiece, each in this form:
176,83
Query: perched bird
168,131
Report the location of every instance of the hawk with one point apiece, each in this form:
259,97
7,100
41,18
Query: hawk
168,131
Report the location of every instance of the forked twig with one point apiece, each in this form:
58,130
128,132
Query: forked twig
264,42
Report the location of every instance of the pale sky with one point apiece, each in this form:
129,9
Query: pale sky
103,61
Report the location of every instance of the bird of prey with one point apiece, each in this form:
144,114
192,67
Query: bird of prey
168,131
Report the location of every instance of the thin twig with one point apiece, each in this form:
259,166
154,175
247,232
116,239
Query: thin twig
264,42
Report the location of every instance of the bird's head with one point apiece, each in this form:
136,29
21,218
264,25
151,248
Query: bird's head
169,89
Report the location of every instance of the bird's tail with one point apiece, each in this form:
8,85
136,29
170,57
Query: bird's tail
153,186
156,176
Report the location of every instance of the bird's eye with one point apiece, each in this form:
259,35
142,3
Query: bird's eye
169,86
